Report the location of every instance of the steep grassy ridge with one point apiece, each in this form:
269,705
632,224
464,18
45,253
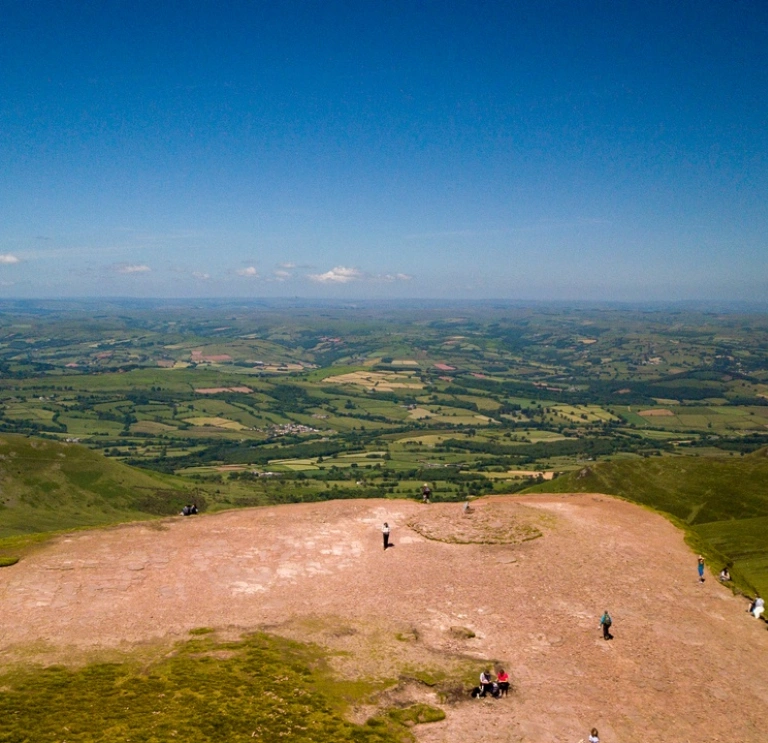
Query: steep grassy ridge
722,502
47,486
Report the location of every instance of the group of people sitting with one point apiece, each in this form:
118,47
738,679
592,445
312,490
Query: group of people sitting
189,510
498,687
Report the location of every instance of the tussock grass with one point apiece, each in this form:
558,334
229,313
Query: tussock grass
417,714
259,688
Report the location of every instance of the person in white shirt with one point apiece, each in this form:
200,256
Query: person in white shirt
757,608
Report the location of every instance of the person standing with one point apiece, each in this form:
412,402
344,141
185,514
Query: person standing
605,623
426,493
385,534
701,569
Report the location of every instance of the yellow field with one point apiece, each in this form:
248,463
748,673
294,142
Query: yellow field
216,423
575,413
385,382
517,474
419,413
429,439
151,427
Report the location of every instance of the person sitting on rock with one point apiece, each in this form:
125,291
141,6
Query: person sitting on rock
486,684
502,679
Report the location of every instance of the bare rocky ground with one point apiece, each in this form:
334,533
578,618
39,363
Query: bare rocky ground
687,662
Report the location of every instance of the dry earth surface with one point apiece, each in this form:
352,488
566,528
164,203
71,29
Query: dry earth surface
687,662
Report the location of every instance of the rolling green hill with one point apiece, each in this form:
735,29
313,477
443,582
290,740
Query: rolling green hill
722,503
48,486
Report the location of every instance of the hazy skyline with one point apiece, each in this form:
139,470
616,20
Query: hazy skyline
384,149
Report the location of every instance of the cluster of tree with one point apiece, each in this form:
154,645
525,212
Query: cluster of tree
527,453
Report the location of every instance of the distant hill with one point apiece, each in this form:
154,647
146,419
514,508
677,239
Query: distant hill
48,486
722,502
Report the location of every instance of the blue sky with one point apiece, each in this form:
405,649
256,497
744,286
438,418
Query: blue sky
522,150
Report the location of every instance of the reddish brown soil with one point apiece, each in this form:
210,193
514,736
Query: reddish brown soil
687,662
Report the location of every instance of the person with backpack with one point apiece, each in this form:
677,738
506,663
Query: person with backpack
605,623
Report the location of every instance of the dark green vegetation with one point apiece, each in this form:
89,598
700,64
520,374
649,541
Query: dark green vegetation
260,688
722,503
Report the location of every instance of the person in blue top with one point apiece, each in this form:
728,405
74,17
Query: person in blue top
605,623
701,569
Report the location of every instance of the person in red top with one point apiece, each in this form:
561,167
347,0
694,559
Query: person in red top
502,679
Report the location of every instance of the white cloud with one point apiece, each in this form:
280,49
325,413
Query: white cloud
390,277
201,275
128,268
250,272
281,275
345,275
287,265
337,275
8,259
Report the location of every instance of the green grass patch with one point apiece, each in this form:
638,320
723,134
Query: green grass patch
259,688
416,714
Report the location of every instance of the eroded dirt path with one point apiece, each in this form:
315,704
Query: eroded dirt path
687,662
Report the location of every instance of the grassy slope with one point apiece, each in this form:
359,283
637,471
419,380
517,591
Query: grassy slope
722,502
47,486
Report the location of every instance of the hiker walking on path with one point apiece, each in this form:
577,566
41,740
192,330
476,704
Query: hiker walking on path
426,493
605,623
385,534
701,569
